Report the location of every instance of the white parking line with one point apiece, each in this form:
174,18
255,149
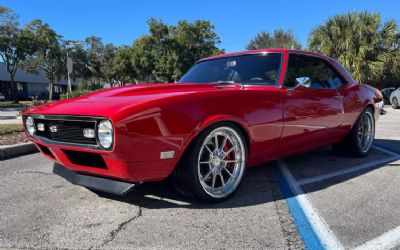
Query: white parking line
328,238
387,240
363,166
320,227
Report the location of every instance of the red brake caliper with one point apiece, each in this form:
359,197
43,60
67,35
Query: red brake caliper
228,157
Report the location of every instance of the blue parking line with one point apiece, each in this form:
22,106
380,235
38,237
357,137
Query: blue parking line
310,238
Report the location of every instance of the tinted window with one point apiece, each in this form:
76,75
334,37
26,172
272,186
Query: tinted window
246,69
320,73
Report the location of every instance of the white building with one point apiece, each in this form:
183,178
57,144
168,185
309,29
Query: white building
30,85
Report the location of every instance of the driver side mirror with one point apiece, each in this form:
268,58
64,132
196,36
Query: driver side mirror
304,81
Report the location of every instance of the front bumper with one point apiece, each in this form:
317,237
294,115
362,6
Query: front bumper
92,182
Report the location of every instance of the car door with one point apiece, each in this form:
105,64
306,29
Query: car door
312,104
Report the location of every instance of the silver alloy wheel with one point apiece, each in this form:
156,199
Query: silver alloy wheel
221,162
366,132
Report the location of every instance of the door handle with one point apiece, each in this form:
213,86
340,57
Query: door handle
339,97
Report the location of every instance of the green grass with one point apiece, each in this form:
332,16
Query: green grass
10,128
12,104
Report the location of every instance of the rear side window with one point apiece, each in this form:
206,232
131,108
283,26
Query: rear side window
322,76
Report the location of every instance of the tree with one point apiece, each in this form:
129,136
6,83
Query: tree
106,63
49,56
122,69
94,52
143,56
167,52
194,41
79,56
366,46
280,39
15,46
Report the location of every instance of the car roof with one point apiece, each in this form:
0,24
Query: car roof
279,50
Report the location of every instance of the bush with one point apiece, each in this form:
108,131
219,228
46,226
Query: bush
10,128
91,86
75,93
35,102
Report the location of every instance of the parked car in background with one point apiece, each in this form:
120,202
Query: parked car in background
395,98
386,94
228,112
2,97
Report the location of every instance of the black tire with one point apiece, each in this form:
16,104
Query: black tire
395,103
351,145
187,179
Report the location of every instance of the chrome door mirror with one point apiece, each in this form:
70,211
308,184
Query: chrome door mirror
304,81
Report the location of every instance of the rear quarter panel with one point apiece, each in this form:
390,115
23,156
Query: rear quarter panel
356,98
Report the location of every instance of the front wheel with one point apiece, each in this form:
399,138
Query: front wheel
359,141
213,168
395,103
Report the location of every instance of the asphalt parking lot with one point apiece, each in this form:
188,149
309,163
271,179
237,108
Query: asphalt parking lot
312,200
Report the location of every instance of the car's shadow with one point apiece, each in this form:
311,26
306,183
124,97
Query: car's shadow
259,185
255,189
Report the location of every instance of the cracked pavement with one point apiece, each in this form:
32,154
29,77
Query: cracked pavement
42,210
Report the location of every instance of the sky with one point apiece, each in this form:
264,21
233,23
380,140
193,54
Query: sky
236,22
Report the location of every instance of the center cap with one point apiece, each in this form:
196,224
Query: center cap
217,161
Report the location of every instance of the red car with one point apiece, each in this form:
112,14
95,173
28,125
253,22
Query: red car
228,112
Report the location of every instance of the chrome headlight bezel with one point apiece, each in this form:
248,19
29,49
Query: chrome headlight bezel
30,125
105,134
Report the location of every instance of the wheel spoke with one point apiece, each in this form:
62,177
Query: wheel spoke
208,174
208,149
230,161
222,179
216,141
230,174
214,177
228,152
224,142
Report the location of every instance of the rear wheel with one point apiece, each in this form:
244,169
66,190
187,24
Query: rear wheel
359,141
395,103
214,165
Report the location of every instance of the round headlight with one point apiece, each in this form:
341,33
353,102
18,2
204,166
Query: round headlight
30,126
105,133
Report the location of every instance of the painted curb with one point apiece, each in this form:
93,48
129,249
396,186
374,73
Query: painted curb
7,152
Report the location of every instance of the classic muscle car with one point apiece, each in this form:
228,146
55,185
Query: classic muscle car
228,112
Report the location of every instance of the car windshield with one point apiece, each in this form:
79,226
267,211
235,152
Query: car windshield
246,69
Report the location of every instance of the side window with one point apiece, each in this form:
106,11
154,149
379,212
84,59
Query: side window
321,74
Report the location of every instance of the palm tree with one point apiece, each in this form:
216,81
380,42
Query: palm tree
279,39
361,42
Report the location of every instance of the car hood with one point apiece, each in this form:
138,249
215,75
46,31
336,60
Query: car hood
109,101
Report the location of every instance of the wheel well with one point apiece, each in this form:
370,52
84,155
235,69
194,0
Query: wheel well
371,106
239,126
243,132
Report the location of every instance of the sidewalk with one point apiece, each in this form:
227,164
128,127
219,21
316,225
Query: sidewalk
10,116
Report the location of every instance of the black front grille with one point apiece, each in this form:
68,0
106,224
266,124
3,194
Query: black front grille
66,131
